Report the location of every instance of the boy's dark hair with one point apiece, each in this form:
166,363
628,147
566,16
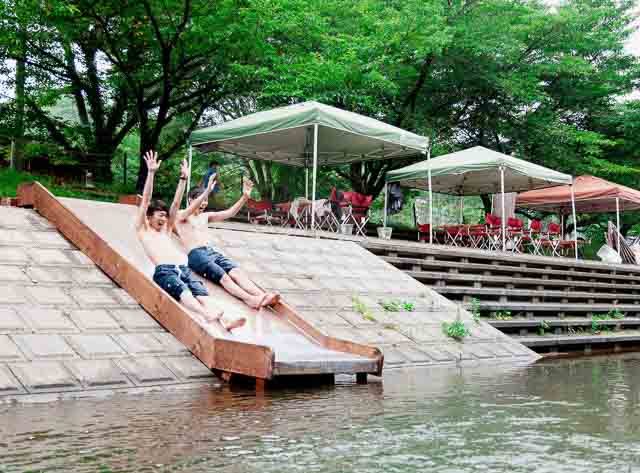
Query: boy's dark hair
195,193
213,163
157,205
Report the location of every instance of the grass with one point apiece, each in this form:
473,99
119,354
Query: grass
543,326
502,315
456,330
397,306
362,309
475,309
11,179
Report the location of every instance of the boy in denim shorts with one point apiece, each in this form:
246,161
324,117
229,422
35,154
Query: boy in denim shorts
192,226
153,228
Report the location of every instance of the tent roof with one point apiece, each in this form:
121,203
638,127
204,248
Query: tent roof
592,194
476,171
285,135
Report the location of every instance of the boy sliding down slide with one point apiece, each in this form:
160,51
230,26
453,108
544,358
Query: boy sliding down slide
171,273
191,225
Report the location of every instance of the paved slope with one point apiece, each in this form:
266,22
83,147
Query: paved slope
66,327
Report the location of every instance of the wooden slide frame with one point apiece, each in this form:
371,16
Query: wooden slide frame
221,355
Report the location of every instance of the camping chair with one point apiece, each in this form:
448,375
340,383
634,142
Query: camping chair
532,237
331,220
355,207
515,233
477,236
551,239
494,232
260,212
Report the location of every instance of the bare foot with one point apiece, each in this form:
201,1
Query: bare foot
270,299
231,324
255,302
212,318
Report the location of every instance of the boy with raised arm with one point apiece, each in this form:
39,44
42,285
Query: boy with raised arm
171,271
192,226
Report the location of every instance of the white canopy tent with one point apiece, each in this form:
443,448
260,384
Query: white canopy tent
309,134
477,171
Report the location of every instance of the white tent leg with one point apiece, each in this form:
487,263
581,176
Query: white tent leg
190,159
315,176
575,221
618,221
386,198
306,183
504,217
462,209
430,191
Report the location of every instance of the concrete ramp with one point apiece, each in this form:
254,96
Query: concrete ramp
273,343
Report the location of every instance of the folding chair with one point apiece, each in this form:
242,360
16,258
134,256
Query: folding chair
260,212
551,239
477,235
533,237
330,220
515,233
494,232
356,208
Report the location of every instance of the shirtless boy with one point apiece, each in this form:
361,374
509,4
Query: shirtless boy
171,271
191,225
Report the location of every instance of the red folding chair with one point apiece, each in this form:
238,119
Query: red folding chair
356,208
260,212
533,236
494,232
551,239
477,235
515,233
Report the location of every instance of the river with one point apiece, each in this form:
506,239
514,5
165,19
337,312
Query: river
578,415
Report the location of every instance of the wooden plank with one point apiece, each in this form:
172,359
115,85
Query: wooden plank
216,353
331,343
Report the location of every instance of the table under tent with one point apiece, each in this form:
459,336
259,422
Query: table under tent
309,135
476,171
592,195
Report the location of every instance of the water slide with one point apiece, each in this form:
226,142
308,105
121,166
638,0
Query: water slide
274,343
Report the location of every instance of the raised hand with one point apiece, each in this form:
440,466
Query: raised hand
247,187
184,169
212,182
151,158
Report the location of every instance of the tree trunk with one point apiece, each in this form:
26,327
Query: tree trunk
17,158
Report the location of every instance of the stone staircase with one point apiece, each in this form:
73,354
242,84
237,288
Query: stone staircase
548,304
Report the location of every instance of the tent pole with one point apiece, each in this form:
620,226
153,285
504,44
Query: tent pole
315,176
190,159
386,198
306,183
575,221
430,191
504,217
618,221
462,209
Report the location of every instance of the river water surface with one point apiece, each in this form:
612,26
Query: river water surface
563,416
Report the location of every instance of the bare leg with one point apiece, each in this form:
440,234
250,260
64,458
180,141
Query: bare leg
228,322
252,300
209,314
242,279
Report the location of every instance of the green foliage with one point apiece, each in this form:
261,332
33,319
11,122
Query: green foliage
361,308
456,330
613,314
543,326
501,315
475,309
397,306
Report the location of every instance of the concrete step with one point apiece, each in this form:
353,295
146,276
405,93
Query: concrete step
535,322
487,293
539,341
584,274
481,281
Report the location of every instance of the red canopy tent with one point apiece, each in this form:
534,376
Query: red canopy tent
592,195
